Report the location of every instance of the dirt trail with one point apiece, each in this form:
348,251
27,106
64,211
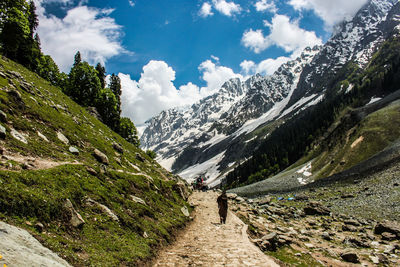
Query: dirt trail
33,163
206,242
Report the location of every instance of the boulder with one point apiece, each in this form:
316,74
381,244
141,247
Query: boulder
326,236
42,136
240,199
3,132
350,257
389,249
75,219
388,236
349,228
62,138
185,211
17,135
91,171
355,242
100,157
315,208
271,237
374,259
231,195
389,227
103,208
73,150
264,201
118,148
138,200
382,258
352,222
39,226
181,188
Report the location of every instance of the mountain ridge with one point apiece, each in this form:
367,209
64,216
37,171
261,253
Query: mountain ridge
224,145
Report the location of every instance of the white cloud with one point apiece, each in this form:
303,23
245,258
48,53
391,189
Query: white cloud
155,90
255,40
248,67
215,58
205,10
84,29
265,67
131,3
269,66
331,12
266,5
222,6
215,76
226,8
283,33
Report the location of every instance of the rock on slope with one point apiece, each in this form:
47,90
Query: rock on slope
18,247
216,133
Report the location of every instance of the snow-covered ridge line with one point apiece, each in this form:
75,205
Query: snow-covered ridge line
192,140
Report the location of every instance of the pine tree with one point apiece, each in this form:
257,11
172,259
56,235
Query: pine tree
83,83
101,73
77,59
32,18
115,86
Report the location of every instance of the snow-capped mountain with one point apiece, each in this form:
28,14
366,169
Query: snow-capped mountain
214,134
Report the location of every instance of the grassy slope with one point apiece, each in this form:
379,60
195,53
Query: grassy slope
377,131
38,195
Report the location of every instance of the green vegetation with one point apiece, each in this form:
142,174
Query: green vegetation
85,84
287,255
299,136
374,133
151,154
29,195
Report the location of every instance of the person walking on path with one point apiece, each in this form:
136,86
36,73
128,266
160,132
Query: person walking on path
222,201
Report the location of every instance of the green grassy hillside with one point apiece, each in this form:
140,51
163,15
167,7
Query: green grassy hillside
130,205
374,133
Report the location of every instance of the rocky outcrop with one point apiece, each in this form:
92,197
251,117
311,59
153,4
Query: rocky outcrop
90,202
75,219
315,208
19,248
100,157
388,227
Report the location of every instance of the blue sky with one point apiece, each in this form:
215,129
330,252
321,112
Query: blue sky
172,53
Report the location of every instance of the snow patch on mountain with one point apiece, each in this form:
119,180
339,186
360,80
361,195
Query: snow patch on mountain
209,169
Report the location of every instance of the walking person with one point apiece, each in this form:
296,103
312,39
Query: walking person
222,201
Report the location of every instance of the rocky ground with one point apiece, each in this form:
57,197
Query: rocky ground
305,232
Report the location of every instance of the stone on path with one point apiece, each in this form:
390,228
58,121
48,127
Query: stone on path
185,211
